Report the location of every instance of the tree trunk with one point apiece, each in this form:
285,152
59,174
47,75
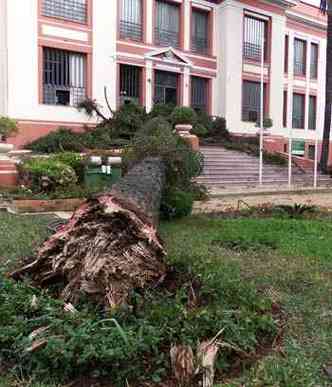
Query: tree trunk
328,94
110,245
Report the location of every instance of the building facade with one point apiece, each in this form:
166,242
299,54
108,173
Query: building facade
199,53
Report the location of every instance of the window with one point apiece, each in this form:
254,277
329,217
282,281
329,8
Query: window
311,152
314,61
300,48
200,32
251,101
312,112
199,93
286,54
166,85
73,10
131,20
168,24
298,148
254,31
130,81
298,111
64,77
285,109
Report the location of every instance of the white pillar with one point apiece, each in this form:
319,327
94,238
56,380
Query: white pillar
186,24
148,85
149,21
186,87
307,91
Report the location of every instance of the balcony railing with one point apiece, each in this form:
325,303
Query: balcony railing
252,51
299,68
73,10
166,37
199,45
129,30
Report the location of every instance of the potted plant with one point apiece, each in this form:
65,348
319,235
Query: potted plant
8,127
267,123
183,118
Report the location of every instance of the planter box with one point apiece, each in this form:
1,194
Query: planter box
57,205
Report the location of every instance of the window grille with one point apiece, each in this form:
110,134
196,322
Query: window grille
168,23
166,85
251,101
314,61
312,112
199,40
298,111
64,77
199,93
300,49
131,20
73,10
130,81
254,30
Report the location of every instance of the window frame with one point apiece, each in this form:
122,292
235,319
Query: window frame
139,79
304,63
286,54
121,20
69,88
88,17
315,76
205,106
302,126
208,49
156,30
285,109
266,21
265,112
314,112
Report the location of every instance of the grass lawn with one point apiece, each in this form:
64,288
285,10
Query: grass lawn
288,260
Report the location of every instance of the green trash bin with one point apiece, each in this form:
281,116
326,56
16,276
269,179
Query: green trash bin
102,176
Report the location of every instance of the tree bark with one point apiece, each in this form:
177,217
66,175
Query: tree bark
328,94
110,245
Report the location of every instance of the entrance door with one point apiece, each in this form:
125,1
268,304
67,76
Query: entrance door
166,87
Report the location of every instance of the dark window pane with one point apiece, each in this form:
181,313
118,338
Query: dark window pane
311,152
199,40
314,61
251,101
298,111
312,113
285,110
131,20
130,80
74,10
199,93
286,54
300,48
168,24
255,36
166,87
64,77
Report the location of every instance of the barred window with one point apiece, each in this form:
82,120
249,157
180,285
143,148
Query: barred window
166,88
73,10
300,49
298,111
200,32
285,101
131,20
64,77
312,112
130,82
168,24
286,54
255,31
314,61
251,101
199,93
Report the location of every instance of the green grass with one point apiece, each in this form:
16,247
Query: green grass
286,260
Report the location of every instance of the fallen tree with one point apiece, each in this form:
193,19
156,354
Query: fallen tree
110,245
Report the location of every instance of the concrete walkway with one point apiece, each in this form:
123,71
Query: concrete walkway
319,198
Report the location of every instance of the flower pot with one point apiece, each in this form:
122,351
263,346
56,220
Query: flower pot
183,129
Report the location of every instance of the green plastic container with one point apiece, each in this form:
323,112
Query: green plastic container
95,177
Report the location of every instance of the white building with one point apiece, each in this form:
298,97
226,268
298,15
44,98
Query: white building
190,52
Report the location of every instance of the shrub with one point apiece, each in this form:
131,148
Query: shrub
46,174
183,115
176,204
73,160
219,129
199,130
162,110
267,123
204,119
61,140
8,127
127,121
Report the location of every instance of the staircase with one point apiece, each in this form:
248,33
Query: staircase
226,168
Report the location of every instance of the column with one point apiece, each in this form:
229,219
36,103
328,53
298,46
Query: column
307,87
149,8
186,12
148,85
186,87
